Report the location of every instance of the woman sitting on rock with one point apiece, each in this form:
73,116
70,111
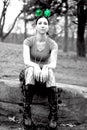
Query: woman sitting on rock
40,59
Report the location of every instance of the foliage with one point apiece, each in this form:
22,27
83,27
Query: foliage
58,8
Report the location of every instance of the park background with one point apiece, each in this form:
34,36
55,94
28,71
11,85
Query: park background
71,66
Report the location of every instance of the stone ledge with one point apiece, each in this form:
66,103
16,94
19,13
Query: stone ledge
72,102
75,89
15,82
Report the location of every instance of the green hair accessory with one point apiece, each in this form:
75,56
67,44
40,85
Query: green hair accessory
38,12
45,13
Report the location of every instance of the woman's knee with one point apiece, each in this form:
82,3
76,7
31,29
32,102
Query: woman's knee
51,79
50,72
29,71
29,75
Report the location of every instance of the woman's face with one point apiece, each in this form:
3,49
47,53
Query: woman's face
42,25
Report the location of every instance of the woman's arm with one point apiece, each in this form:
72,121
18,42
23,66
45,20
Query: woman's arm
53,57
26,56
51,65
29,63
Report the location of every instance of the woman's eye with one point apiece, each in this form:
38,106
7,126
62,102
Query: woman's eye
39,23
45,23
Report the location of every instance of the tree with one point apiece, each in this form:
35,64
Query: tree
3,15
82,19
80,11
29,8
65,26
3,18
58,8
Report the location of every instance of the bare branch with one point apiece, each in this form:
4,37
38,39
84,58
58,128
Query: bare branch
12,26
3,14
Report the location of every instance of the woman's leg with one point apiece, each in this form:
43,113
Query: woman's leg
29,76
28,92
52,98
28,96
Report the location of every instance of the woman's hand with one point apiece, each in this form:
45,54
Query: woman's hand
37,72
44,74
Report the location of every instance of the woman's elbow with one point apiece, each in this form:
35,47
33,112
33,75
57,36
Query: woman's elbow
26,62
54,65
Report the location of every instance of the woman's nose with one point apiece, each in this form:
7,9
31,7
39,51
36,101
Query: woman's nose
42,24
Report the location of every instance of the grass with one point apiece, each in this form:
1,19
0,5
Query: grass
70,68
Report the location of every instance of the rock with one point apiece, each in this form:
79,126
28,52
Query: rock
72,103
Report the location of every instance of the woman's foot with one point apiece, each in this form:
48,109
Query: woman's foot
52,123
27,122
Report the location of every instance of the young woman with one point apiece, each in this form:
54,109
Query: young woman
40,58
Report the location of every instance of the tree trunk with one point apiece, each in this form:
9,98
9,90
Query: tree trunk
25,25
66,34
81,49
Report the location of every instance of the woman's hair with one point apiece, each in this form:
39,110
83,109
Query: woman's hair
42,17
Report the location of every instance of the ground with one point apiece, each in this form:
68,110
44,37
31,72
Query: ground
70,69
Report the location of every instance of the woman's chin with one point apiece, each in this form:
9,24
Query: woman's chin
42,32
